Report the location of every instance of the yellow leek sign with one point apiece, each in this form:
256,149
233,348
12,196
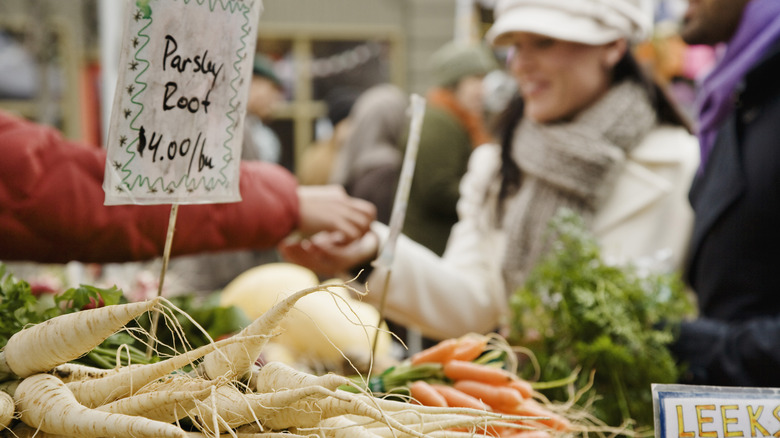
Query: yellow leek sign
687,411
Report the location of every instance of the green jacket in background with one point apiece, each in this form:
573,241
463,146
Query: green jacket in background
442,158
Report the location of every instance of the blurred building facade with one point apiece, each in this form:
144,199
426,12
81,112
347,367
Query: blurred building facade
317,46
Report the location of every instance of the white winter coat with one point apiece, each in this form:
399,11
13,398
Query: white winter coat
647,214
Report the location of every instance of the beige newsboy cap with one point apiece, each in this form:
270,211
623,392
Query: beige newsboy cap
590,22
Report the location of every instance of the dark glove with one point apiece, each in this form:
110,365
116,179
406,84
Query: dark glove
695,346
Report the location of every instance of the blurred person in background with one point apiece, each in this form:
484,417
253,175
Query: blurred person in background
453,125
736,198
266,93
588,132
317,160
368,165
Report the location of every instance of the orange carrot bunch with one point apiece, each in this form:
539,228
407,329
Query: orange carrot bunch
482,386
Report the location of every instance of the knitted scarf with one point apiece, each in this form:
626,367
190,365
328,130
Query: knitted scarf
759,28
473,123
573,164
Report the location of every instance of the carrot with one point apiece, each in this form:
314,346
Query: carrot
7,410
422,392
237,361
45,403
523,387
455,397
495,396
470,347
462,370
439,353
66,337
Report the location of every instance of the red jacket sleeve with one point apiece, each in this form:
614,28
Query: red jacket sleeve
51,206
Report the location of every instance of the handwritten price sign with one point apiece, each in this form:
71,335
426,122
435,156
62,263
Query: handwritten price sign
177,122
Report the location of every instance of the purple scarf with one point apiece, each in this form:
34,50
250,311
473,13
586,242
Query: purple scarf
758,29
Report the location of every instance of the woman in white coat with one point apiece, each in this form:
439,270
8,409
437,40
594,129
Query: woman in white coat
588,132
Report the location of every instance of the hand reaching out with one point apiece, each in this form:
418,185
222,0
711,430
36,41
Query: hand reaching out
326,254
329,208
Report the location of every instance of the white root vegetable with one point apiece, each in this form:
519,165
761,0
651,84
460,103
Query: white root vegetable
178,383
453,434
7,410
277,375
45,403
59,400
237,360
429,419
431,425
127,380
342,427
284,409
66,337
400,410
308,413
253,435
164,405
72,372
235,408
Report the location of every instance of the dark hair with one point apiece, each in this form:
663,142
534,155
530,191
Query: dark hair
627,68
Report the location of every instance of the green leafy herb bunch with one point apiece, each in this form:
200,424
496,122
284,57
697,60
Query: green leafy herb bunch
578,312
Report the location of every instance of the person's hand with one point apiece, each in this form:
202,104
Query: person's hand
329,208
325,254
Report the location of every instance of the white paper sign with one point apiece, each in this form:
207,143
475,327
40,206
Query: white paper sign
686,411
177,121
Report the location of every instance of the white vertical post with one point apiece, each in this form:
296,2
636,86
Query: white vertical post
464,21
111,30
